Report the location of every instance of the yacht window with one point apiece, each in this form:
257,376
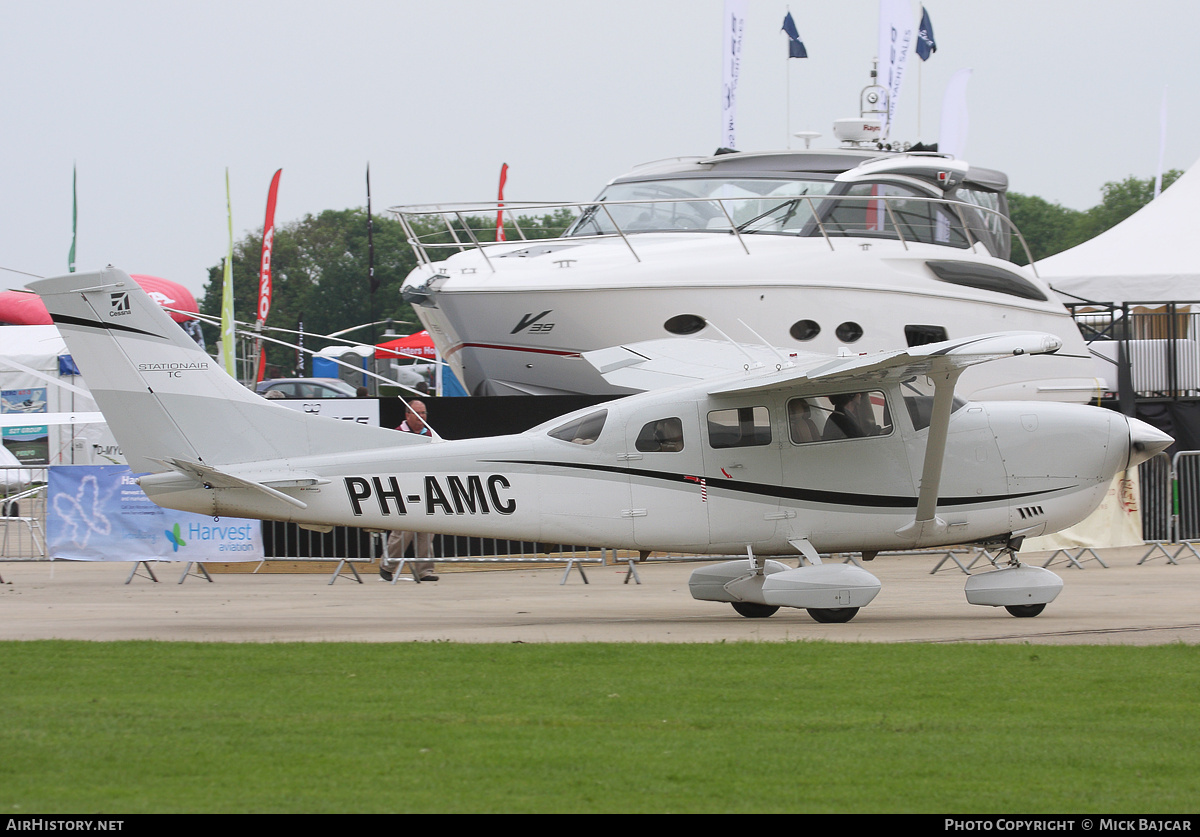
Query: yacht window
685,324
987,226
847,415
739,428
921,335
918,216
986,277
662,436
803,330
581,431
849,332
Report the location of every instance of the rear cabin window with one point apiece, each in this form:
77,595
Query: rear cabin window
582,431
846,415
661,436
739,428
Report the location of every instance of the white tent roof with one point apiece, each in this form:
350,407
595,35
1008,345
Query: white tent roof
1151,256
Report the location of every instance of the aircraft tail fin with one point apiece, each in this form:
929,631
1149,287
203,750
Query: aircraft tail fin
164,399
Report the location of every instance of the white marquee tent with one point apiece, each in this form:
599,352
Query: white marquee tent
1151,256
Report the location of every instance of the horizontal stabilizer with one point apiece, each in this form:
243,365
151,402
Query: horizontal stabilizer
268,484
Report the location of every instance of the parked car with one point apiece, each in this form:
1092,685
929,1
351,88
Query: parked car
306,388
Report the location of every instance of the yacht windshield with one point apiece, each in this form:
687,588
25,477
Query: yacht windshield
801,207
751,204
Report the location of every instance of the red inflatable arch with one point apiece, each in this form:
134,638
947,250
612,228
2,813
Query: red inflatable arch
17,308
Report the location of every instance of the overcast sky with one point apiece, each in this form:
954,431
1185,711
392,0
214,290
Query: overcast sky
153,99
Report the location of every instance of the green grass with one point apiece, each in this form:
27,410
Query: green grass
132,727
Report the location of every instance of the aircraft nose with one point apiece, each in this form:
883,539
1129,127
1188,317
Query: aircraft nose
1145,441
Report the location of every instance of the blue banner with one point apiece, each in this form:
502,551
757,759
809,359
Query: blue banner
100,513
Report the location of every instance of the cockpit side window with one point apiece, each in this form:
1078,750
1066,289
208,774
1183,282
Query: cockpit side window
739,428
844,415
581,431
918,400
661,436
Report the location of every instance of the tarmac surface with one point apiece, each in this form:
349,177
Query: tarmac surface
1129,602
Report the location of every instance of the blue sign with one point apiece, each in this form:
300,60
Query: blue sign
100,513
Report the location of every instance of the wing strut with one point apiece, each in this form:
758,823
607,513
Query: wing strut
927,524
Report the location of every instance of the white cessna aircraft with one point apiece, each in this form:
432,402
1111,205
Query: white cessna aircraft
765,455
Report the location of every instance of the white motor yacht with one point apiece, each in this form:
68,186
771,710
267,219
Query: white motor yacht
850,250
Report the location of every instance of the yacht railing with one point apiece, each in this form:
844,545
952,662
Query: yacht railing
436,231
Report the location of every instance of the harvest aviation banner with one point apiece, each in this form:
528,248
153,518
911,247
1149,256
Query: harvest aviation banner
100,513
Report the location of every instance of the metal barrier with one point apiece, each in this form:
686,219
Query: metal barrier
23,513
1179,503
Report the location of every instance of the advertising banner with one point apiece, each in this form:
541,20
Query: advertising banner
30,443
99,513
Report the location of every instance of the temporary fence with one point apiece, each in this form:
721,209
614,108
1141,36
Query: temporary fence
1170,507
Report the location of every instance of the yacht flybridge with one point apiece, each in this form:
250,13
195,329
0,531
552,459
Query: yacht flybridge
850,250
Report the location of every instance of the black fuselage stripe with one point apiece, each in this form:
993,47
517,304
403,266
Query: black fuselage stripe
784,492
63,319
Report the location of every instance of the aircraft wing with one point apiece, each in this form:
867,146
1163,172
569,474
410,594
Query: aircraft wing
738,368
671,361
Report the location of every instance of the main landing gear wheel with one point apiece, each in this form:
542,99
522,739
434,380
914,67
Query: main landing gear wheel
754,610
830,615
1025,611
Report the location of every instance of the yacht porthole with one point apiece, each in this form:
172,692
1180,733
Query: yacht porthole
804,330
685,324
849,332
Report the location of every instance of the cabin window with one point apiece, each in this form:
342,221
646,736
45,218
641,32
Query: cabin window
739,428
986,277
922,335
581,431
846,415
661,436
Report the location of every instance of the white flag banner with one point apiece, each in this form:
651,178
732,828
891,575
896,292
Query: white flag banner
1162,143
734,26
897,35
952,137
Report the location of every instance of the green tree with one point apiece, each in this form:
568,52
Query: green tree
319,277
319,273
1047,228
1120,200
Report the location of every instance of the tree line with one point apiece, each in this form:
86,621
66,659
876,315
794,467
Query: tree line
320,263
320,276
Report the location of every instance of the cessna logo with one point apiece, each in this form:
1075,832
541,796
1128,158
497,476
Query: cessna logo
118,304
458,495
529,321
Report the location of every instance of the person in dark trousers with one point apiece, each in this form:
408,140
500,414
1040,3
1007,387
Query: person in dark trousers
398,541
